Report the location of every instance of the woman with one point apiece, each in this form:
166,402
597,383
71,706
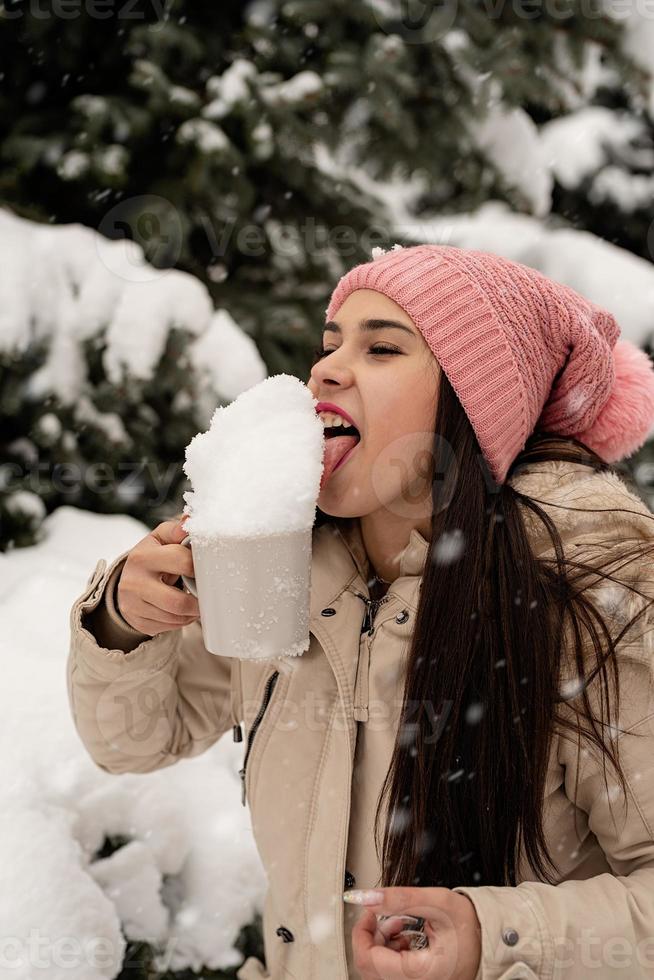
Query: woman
443,750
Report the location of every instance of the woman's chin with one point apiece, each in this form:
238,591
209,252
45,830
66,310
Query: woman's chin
344,504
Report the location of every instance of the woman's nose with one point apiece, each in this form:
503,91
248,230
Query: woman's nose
331,370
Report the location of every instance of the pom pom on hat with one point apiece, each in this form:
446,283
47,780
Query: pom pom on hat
625,420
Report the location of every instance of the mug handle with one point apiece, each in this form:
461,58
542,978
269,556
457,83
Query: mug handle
188,580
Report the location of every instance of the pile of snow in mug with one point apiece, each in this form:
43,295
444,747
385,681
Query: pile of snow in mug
257,469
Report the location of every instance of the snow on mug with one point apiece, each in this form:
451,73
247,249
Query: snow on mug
253,592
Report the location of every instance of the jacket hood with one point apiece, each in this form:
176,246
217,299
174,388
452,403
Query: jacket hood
585,505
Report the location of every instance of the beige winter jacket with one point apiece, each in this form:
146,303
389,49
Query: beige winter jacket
318,736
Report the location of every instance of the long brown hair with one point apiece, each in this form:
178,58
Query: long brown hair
485,662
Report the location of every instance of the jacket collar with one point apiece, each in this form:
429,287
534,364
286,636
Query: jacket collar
340,563
340,560
412,559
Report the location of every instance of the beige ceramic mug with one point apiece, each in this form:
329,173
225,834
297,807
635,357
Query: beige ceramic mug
253,593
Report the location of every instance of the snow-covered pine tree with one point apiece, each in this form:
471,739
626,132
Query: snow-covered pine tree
108,368
601,144
257,147
220,137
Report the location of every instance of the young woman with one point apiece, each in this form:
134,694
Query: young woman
446,751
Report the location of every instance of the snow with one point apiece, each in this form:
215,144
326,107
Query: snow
229,89
94,107
112,160
628,191
303,87
190,876
184,97
257,469
262,140
73,165
260,13
208,137
576,85
506,134
109,423
26,503
511,141
225,359
395,194
576,145
449,547
638,42
66,284
177,300
474,713
49,426
378,252
610,276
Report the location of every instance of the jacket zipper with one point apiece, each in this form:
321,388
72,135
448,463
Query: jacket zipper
371,608
363,666
267,694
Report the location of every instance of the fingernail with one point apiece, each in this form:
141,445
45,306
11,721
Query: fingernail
359,896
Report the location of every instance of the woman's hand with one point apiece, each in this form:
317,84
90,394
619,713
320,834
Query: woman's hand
147,597
451,927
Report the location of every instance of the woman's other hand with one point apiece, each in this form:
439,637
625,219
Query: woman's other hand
452,950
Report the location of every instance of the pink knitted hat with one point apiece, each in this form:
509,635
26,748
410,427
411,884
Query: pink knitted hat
519,349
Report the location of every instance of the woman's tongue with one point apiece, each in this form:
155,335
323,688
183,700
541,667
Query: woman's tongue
335,448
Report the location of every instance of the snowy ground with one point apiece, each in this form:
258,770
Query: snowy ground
63,913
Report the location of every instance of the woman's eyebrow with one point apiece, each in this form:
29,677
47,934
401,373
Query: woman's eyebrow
369,325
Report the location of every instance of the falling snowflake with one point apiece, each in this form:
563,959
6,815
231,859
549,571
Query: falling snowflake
474,713
576,400
320,927
449,547
572,688
612,600
399,820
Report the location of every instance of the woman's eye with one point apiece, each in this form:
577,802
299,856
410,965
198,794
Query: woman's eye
376,349
383,350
